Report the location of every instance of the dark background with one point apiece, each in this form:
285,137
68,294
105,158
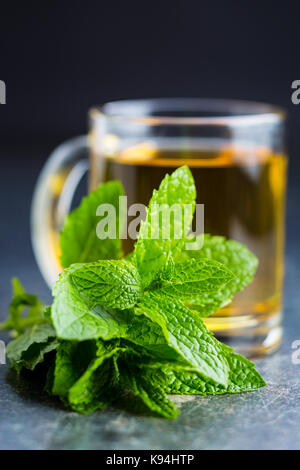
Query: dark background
58,58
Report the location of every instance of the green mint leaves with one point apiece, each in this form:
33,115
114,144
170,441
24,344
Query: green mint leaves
25,310
29,349
76,318
242,378
78,240
192,280
232,255
157,241
148,389
114,284
132,328
188,336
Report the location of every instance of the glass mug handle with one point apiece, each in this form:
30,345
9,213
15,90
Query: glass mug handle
52,201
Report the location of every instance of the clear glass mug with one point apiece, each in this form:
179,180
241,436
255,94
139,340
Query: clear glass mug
236,152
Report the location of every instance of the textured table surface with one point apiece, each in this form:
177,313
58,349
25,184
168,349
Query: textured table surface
265,419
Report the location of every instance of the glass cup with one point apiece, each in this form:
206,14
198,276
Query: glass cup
236,152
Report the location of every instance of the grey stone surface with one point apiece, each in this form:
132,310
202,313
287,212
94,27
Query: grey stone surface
264,419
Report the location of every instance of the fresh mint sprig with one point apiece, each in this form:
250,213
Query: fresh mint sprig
135,324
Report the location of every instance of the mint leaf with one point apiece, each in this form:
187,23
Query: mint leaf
114,284
78,240
150,336
152,254
29,348
49,378
243,377
72,359
47,314
25,310
150,391
234,256
191,279
74,319
188,336
99,385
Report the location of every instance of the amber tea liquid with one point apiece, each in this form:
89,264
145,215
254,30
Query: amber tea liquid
243,192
